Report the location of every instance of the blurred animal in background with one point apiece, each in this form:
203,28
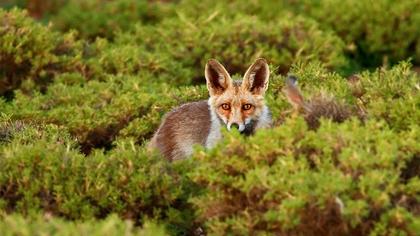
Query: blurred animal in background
236,104
320,105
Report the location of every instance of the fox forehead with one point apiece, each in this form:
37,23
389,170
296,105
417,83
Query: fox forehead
237,95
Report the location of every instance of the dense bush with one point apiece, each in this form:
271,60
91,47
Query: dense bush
45,225
106,18
342,155
77,110
7,4
30,51
43,170
237,41
39,9
391,95
129,58
348,178
385,30
340,179
95,111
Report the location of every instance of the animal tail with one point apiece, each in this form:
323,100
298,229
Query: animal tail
293,94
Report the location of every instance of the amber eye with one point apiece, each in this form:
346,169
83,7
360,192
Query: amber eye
247,106
225,106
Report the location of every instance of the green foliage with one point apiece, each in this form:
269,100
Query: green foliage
238,40
83,89
385,30
30,51
12,3
53,176
35,8
393,96
290,180
131,59
45,225
106,18
95,111
334,162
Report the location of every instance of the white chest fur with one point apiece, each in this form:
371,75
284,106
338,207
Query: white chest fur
214,134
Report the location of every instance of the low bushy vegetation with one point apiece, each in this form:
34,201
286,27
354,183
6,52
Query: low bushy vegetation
340,179
32,52
283,41
85,84
373,33
46,225
102,18
43,170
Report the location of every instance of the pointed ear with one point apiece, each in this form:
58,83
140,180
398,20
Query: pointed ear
256,77
293,94
218,79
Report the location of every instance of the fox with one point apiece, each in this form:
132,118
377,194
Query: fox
318,106
234,104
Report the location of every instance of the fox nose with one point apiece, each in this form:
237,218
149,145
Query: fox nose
235,125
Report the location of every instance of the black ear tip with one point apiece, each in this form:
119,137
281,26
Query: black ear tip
291,79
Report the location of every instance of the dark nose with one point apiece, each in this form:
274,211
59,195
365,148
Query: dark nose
234,125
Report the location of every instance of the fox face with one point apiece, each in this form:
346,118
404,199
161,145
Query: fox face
238,104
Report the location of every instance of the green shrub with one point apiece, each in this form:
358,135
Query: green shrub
288,179
8,129
12,3
46,225
135,59
104,18
391,94
340,179
349,178
36,8
386,31
96,111
236,41
42,170
76,115
30,51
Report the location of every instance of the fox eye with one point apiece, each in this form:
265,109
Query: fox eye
225,106
247,106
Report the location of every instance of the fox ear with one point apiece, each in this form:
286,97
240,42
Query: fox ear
218,79
292,93
256,77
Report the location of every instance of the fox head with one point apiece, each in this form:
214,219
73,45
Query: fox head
238,104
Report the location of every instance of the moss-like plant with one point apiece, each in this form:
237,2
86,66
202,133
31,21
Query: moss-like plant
235,41
42,170
372,37
102,18
30,51
76,110
47,225
340,179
